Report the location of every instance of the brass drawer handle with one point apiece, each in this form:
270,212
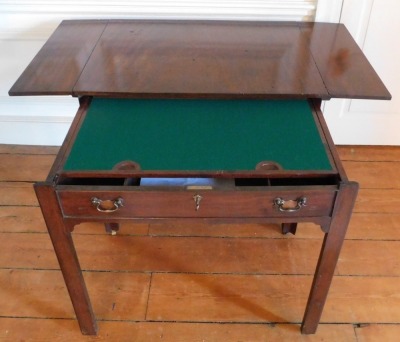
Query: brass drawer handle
290,206
107,206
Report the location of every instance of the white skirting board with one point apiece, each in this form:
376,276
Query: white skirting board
36,120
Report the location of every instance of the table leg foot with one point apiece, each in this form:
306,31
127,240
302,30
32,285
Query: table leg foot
289,228
111,228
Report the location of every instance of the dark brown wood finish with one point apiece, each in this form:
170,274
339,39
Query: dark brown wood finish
201,59
61,238
345,70
329,256
179,203
58,65
135,58
289,228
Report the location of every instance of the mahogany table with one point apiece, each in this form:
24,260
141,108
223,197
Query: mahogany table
232,108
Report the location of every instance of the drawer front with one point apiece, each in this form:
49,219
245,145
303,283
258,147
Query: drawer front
192,204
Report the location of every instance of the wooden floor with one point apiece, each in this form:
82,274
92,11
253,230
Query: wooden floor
169,282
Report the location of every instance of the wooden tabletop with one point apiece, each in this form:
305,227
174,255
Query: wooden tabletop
200,59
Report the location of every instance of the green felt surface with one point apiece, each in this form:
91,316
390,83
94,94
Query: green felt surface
207,135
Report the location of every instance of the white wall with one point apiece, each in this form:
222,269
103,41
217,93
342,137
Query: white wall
25,26
375,26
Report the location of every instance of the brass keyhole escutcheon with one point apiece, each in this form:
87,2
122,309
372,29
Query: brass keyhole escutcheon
197,199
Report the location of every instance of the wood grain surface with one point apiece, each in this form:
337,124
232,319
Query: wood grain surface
200,59
57,66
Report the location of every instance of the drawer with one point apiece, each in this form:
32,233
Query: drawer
196,203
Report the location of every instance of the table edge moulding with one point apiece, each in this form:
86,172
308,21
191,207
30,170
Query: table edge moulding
218,121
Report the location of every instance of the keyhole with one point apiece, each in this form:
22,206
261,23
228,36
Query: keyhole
197,200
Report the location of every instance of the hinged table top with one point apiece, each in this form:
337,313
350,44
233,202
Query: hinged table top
200,59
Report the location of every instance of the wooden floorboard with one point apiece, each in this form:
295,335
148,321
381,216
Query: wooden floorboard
12,330
201,282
